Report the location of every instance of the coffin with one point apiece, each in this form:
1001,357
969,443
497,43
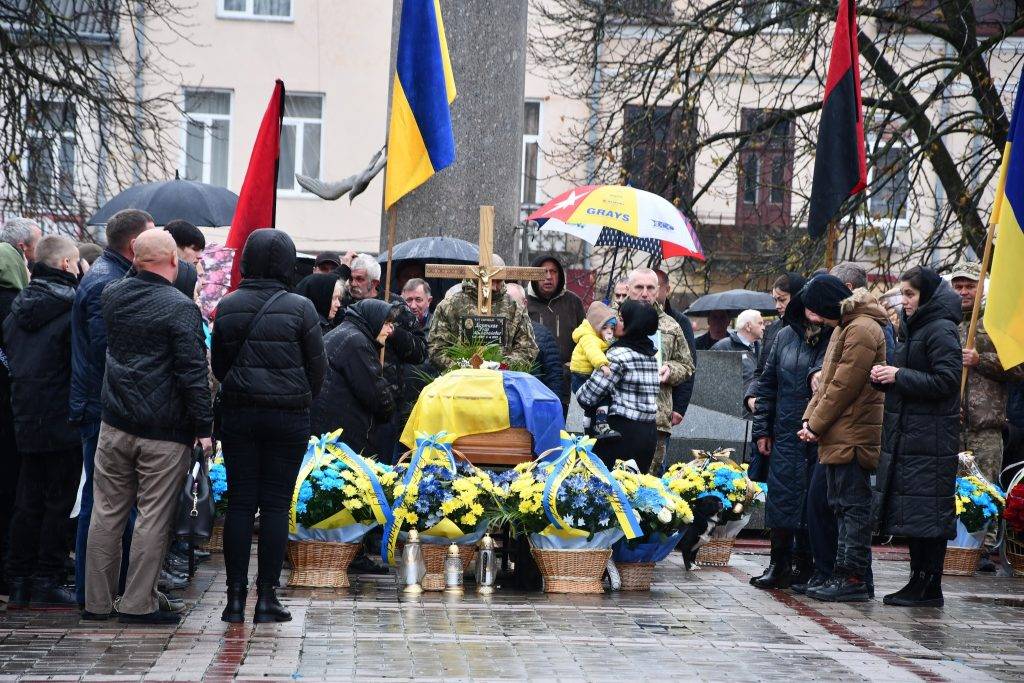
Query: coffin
505,448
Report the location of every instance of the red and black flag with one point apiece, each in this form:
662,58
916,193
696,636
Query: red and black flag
840,164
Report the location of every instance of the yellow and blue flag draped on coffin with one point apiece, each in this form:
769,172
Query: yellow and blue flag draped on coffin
420,137
1004,310
460,403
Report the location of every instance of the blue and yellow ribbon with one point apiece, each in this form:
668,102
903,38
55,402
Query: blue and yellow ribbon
577,450
440,443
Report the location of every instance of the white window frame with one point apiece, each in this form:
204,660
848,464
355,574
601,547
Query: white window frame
300,134
865,217
206,120
528,139
248,14
55,145
741,22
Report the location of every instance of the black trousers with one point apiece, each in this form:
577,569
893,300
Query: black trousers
47,486
263,450
927,554
849,495
639,439
10,463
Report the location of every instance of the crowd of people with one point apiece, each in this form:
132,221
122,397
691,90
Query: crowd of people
111,378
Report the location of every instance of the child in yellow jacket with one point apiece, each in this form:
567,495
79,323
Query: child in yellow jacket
593,336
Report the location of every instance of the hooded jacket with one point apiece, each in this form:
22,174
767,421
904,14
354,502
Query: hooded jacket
589,351
282,366
921,438
37,334
13,278
561,312
675,353
846,410
355,395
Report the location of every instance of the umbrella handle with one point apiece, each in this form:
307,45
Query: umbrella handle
611,277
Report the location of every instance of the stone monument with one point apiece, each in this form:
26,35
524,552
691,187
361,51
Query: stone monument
487,44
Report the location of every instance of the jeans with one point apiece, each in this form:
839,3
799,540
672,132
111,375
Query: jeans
47,485
90,436
263,449
849,494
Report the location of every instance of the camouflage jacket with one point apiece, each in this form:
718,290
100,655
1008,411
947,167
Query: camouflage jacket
448,326
984,404
676,354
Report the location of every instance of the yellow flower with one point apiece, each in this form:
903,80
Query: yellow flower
411,517
399,490
350,490
469,518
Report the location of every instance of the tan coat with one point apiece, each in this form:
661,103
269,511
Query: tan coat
846,411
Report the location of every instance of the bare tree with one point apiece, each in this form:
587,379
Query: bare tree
717,102
85,106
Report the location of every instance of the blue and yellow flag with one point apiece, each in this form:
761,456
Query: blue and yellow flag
420,138
1004,310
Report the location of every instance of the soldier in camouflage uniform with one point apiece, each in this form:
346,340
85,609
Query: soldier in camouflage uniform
449,324
984,405
674,356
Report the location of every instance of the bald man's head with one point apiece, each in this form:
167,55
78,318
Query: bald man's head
156,252
516,291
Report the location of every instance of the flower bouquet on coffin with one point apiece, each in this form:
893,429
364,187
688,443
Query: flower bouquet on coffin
573,511
338,498
721,496
219,491
663,516
979,503
445,498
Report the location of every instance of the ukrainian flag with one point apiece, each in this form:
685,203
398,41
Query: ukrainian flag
1004,310
420,138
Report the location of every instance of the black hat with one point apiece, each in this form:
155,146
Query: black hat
328,257
823,294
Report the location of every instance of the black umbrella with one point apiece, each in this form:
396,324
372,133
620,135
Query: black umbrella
434,250
198,203
734,301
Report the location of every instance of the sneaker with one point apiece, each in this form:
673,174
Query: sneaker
168,604
601,430
157,618
844,587
19,589
818,579
93,616
170,582
48,594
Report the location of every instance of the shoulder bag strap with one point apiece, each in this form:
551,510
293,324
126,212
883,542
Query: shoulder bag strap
252,326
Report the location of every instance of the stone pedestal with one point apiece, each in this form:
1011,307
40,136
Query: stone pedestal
487,43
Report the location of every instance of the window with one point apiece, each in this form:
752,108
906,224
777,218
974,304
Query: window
270,10
765,171
888,194
301,137
779,15
531,151
655,156
50,158
207,136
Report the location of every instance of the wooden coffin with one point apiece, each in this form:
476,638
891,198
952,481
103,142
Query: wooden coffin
505,448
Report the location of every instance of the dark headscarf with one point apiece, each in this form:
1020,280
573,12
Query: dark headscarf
640,321
796,283
370,315
269,254
319,288
823,295
187,279
930,281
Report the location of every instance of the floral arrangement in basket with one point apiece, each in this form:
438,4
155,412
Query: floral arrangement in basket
716,475
1013,513
446,499
219,485
338,494
978,503
662,515
567,499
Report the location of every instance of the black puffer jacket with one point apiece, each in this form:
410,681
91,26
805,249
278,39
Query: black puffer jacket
282,365
783,391
356,396
156,384
916,476
37,335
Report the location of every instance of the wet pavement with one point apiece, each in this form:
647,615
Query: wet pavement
700,625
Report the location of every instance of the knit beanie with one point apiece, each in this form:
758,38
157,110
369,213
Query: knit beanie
823,294
598,314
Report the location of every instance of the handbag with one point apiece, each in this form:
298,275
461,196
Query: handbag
218,401
195,502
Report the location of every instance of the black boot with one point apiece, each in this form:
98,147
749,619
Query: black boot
49,594
268,607
927,593
20,590
911,587
234,611
845,586
803,570
780,568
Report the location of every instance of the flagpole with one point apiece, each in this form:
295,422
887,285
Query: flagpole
986,260
392,214
830,246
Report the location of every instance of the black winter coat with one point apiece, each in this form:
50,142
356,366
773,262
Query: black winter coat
783,391
916,476
156,384
549,368
37,334
356,396
282,366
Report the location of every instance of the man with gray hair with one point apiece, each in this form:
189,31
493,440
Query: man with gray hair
416,294
23,234
37,337
853,275
365,279
745,339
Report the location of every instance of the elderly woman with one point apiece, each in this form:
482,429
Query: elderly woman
916,477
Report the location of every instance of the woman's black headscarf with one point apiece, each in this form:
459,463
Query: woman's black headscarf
319,288
640,321
370,315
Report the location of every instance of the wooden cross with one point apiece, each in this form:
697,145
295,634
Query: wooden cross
484,272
